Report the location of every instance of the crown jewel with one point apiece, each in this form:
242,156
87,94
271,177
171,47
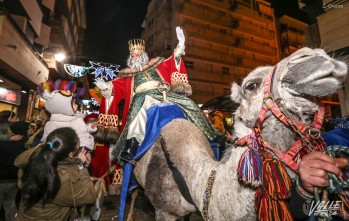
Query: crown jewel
134,44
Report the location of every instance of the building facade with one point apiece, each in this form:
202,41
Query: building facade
31,32
225,39
329,29
334,35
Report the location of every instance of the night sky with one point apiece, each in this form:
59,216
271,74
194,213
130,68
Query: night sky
110,24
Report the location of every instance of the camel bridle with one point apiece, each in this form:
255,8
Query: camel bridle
309,135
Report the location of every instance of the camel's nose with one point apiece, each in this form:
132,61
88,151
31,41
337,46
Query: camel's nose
340,70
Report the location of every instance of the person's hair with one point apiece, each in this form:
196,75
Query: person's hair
5,115
106,135
41,181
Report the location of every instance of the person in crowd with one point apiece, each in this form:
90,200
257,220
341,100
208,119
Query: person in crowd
32,129
35,139
315,166
99,166
217,119
219,122
9,150
139,86
63,109
339,135
313,172
229,134
7,117
54,181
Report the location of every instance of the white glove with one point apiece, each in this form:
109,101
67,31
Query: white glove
180,36
101,84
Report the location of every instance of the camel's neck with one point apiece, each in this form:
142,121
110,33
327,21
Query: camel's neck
275,133
196,167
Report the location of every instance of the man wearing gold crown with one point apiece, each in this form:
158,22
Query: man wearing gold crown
138,86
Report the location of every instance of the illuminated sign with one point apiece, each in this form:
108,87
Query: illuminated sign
9,96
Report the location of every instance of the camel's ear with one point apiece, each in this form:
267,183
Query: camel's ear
235,93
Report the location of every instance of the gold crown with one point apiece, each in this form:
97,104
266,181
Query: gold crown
138,44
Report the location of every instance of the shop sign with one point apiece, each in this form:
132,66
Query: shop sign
9,96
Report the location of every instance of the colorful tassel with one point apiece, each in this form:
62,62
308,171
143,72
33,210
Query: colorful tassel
80,92
57,84
64,85
276,181
269,209
72,86
45,88
250,168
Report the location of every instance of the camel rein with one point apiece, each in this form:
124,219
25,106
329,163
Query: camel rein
183,187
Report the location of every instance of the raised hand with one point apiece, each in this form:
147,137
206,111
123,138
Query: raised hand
101,84
180,36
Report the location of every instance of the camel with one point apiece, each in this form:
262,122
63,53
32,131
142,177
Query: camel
212,186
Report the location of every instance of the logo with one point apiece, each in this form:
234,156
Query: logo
321,208
330,6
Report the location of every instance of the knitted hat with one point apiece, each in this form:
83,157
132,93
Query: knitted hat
58,96
19,127
59,103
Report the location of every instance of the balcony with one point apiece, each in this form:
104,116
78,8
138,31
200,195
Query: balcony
210,56
18,60
249,64
252,29
237,8
255,47
214,4
207,34
193,11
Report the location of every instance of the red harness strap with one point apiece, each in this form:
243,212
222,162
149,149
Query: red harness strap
306,139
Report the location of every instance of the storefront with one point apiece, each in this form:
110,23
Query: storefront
10,95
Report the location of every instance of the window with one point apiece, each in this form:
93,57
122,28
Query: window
168,47
225,70
223,30
226,91
150,40
189,64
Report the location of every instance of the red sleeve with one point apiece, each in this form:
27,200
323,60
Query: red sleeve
121,90
168,66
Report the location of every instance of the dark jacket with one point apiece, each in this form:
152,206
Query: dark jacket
9,150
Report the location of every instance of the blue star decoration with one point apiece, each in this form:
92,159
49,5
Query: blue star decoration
104,70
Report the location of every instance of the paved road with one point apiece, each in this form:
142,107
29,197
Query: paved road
144,211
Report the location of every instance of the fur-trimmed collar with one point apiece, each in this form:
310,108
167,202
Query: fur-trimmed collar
129,72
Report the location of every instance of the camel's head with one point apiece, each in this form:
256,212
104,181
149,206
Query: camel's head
298,81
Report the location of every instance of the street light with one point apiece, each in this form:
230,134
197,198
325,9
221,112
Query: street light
59,55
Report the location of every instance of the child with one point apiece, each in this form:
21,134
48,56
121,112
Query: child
63,109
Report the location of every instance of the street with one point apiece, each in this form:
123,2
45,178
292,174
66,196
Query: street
144,211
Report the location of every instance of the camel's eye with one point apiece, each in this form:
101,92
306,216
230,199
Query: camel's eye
251,86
